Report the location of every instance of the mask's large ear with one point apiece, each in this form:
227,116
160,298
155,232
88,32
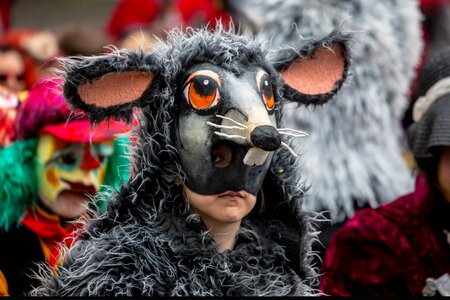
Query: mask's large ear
109,86
316,71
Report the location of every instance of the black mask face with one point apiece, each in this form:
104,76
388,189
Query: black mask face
226,129
225,132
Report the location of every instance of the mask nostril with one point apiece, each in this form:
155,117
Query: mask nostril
266,137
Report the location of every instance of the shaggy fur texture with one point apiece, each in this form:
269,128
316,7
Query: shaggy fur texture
354,155
18,181
147,242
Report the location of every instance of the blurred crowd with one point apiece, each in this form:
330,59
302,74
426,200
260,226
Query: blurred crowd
47,148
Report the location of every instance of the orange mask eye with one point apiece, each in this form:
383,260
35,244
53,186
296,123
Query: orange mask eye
265,88
202,90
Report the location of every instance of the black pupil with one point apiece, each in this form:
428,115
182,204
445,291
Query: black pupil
204,85
266,87
68,158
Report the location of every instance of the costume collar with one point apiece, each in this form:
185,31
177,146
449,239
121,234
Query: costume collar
49,230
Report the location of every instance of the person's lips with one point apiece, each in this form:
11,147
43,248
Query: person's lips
234,196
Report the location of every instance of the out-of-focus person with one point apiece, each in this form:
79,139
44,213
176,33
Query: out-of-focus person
136,23
18,71
23,57
403,248
49,175
8,108
435,34
12,69
37,48
81,39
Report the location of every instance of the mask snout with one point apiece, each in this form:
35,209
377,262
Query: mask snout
265,137
251,129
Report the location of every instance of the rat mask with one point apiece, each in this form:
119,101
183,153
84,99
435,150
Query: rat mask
226,129
226,114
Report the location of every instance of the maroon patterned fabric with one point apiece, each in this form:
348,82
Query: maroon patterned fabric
390,250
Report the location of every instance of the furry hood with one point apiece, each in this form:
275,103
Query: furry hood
147,242
354,156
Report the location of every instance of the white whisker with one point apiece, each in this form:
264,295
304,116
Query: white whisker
224,126
292,131
230,119
293,134
289,148
230,136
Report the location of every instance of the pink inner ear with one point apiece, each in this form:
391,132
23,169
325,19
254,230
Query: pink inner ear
115,88
317,74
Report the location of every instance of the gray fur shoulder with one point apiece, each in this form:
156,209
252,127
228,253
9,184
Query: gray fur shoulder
172,255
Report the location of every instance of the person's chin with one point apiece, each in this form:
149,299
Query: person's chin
232,217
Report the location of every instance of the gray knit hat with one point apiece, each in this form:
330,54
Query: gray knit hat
431,111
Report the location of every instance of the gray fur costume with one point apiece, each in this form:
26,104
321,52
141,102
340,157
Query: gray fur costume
353,158
147,242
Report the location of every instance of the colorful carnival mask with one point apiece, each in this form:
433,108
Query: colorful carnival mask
56,157
64,166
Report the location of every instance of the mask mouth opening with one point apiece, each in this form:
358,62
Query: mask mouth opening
78,187
221,155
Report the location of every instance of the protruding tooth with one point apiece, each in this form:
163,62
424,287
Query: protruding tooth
255,157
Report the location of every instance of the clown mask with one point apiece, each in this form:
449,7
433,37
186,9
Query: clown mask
68,173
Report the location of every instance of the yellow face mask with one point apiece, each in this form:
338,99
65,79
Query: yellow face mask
62,165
